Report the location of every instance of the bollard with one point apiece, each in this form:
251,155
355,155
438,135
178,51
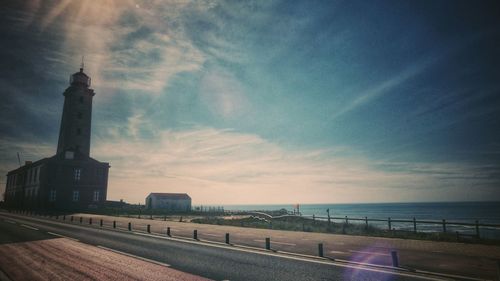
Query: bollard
227,238
129,226
195,234
57,217
389,223
414,225
64,217
168,231
444,226
114,224
268,243
320,249
90,220
71,218
395,260
100,223
149,228
498,269
81,219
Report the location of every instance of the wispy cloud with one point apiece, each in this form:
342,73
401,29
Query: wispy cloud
223,166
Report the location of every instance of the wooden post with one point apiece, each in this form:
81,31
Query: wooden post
227,238
64,217
389,223
444,226
414,225
57,217
100,223
314,217
114,224
346,220
71,218
268,243
90,220
149,228
477,229
168,231
320,249
81,219
195,234
366,222
129,226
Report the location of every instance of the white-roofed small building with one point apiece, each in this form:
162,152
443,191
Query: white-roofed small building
169,202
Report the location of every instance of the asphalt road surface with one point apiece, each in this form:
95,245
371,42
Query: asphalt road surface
218,262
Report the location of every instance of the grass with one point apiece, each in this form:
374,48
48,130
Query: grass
309,225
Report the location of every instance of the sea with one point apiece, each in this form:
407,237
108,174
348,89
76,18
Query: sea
465,212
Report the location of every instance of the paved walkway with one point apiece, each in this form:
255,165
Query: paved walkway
473,260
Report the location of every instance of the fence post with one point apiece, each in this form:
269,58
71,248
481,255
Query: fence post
64,217
100,223
389,223
130,226
71,218
444,226
90,220
268,243
414,225
227,238
168,231
477,229
149,228
114,224
395,259
195,234
320,249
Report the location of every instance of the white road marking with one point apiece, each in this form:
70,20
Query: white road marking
134,256
337,252
274,242
30,227
60,235
369,253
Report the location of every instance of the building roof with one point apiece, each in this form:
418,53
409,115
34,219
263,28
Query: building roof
170,195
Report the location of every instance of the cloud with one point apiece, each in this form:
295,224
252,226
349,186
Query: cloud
223,93
127,45
224,166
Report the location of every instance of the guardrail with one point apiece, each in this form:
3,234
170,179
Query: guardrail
443,224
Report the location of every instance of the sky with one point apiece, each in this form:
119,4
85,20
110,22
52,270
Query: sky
264,102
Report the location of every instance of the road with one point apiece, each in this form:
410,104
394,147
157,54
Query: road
218,262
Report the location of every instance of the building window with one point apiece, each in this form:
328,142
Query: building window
96,195
77,173
52,196
76,195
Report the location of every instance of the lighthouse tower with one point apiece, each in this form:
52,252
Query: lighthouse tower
74,134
